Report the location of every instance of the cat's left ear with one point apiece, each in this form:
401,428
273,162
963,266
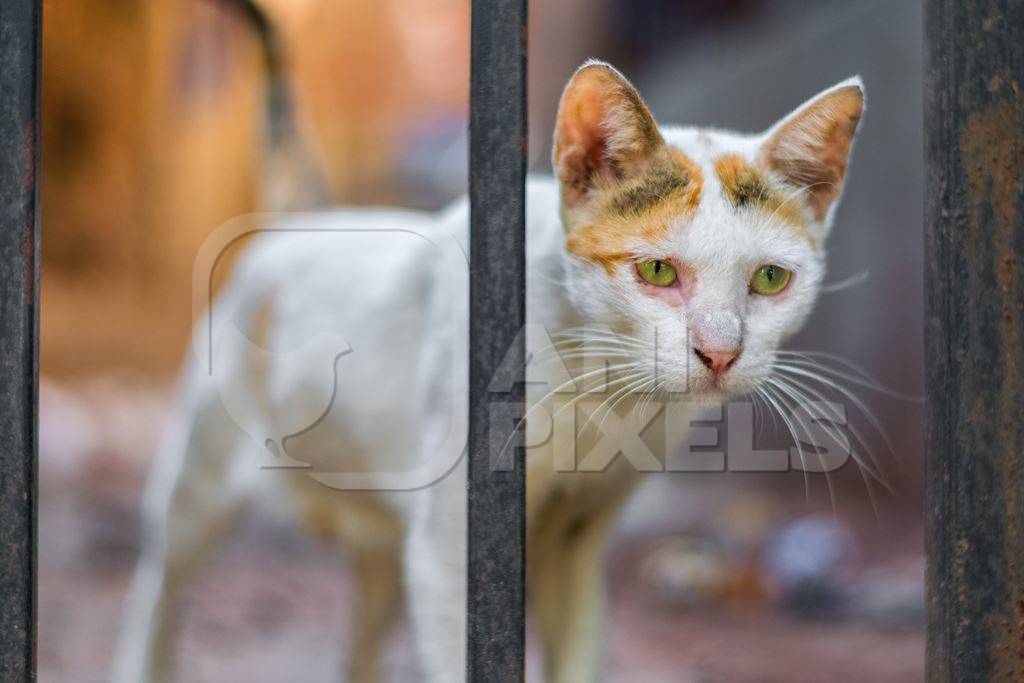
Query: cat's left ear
810,148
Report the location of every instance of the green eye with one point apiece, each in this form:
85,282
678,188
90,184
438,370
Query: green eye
658,273
770,280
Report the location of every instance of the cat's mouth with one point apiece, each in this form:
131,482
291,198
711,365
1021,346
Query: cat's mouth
710,388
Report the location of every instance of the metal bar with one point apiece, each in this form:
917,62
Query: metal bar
974,339
20,22
497,174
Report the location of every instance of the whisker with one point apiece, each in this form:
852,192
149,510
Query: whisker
636,387
547,277
758,393
873,470
583,339
572,380
599,334
834,431
841,285
835,417
860,405
632,380
655,390
865,379
808,371
797,399
756,404
595,346
615,382
593,353
776,402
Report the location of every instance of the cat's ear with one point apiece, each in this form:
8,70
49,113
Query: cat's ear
810,147
603,130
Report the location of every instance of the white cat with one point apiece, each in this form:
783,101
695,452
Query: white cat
698,251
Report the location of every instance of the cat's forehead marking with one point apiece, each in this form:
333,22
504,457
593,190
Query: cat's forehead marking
746,186
671,182
639,212
742,184
651,189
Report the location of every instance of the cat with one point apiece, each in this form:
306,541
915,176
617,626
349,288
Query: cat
694,252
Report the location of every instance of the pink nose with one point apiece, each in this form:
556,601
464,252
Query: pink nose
716,361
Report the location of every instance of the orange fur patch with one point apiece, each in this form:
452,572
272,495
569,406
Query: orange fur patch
638,210
744,184
741,182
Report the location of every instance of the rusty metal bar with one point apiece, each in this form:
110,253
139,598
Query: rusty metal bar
974,338
20,22
497,174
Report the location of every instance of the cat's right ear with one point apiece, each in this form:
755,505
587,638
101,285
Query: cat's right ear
604,131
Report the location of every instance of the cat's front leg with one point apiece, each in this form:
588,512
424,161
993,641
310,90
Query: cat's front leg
565,588
435,573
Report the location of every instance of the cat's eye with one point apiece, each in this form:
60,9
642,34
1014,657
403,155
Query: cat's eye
658,273
770,280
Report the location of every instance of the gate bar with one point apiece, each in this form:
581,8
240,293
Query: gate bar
497,173
974,338
20,22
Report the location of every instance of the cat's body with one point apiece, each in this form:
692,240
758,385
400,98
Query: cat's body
378,280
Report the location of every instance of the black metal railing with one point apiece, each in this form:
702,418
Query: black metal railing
20,22
497,175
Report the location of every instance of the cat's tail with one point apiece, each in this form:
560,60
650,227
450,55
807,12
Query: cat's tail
292,177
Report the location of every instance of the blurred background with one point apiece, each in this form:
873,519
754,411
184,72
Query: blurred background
155,130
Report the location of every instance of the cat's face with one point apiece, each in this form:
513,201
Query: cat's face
703,248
